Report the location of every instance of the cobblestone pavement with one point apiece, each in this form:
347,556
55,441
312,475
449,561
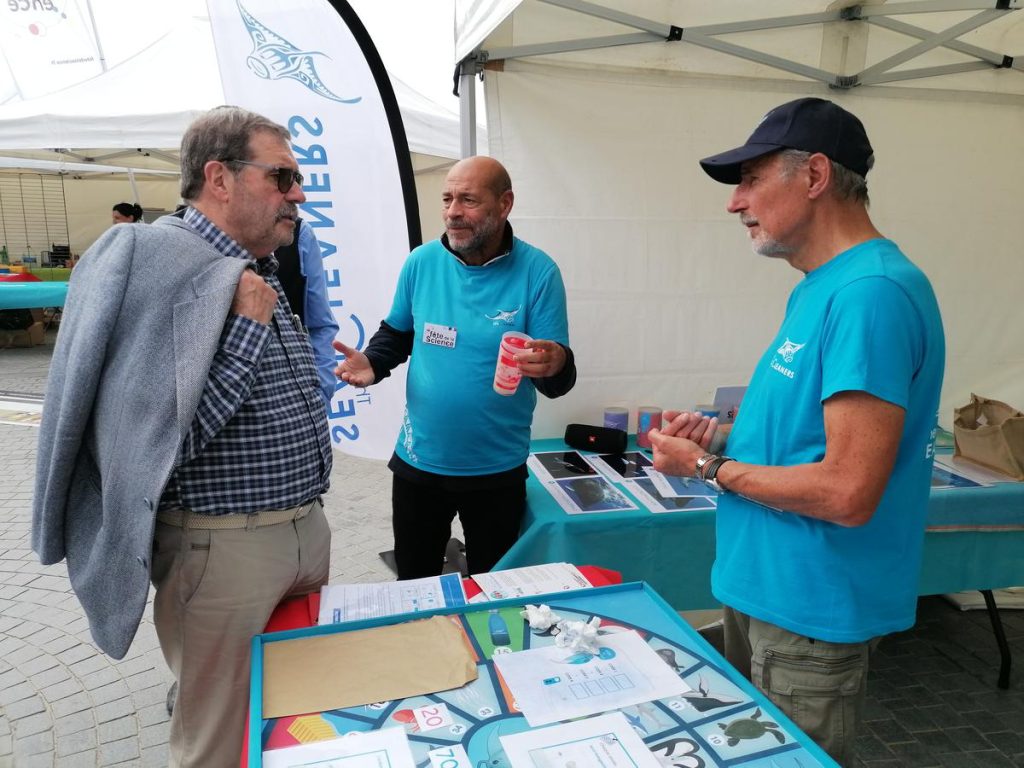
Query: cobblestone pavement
62,702
932,699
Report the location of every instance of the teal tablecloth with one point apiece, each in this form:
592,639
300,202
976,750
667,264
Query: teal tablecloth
32,295
673,551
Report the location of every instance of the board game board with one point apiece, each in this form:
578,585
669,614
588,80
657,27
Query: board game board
722,721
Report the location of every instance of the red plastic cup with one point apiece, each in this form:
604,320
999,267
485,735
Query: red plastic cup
507,374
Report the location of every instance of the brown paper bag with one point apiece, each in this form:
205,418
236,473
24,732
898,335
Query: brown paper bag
990,433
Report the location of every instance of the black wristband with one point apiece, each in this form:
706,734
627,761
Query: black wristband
711,475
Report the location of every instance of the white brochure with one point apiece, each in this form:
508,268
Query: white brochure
551,683
605,741
386,748
559,465
531,580
581,495
970,470
351,602
650,496
674,485
621,466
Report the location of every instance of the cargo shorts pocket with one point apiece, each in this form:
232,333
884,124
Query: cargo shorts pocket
818,685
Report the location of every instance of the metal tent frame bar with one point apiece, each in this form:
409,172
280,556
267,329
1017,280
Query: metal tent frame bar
706,36
170,158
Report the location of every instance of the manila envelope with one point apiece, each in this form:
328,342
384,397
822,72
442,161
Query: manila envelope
347,669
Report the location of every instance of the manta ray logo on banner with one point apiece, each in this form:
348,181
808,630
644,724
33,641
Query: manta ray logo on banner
311,66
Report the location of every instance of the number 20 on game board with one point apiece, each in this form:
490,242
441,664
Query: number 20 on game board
432,716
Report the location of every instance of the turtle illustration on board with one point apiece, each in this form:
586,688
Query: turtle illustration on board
752,727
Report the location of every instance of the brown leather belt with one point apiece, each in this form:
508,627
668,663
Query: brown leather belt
183,518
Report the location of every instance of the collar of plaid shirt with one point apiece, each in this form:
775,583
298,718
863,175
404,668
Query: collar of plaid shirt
226,244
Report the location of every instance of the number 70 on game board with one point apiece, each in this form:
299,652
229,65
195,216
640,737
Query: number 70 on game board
449,757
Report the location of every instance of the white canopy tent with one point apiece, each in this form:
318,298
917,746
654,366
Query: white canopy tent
601,110
159,72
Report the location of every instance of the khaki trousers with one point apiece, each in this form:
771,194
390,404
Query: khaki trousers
820,686
215,589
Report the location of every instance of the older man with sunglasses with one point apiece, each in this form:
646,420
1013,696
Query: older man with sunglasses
184,436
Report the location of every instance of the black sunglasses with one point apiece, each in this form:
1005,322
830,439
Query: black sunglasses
285,176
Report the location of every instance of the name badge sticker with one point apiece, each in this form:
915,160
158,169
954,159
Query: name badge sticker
439,335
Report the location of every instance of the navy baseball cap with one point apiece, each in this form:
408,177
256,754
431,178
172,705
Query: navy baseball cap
811,125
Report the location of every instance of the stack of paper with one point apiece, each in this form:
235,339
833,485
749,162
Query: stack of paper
352,602
531,580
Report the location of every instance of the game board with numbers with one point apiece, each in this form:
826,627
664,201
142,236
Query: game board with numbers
722,721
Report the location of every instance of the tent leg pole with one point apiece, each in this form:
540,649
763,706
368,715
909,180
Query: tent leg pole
467,111
135,188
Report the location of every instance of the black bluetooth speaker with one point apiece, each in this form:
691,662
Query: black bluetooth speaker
584,437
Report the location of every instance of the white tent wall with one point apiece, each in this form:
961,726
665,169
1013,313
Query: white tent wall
89,201
89,198
666,299
429,172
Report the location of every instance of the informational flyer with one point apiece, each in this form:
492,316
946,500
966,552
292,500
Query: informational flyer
531,580
649,495
352,602
605,741
674,485
970,470
551,683
559,465
386,748
581,495
943,477
621,466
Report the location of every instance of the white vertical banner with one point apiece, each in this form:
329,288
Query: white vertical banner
311,66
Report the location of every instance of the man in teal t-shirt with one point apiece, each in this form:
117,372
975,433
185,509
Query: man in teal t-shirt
463,446
820,523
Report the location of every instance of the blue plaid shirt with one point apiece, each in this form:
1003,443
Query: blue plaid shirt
259,439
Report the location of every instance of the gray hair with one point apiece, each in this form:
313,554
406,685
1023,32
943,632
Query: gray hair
846,185
220,134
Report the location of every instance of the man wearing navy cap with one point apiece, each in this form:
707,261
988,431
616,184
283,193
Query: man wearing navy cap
821,519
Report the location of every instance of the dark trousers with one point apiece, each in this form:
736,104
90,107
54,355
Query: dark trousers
422,521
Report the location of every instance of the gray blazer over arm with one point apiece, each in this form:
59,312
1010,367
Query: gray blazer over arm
141,325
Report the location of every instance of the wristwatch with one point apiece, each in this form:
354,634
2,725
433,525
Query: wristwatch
711,473
702,462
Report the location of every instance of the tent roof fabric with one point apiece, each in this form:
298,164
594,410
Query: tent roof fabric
147,99
946,44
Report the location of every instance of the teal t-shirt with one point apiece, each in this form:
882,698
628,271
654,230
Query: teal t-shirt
455,423
865,321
